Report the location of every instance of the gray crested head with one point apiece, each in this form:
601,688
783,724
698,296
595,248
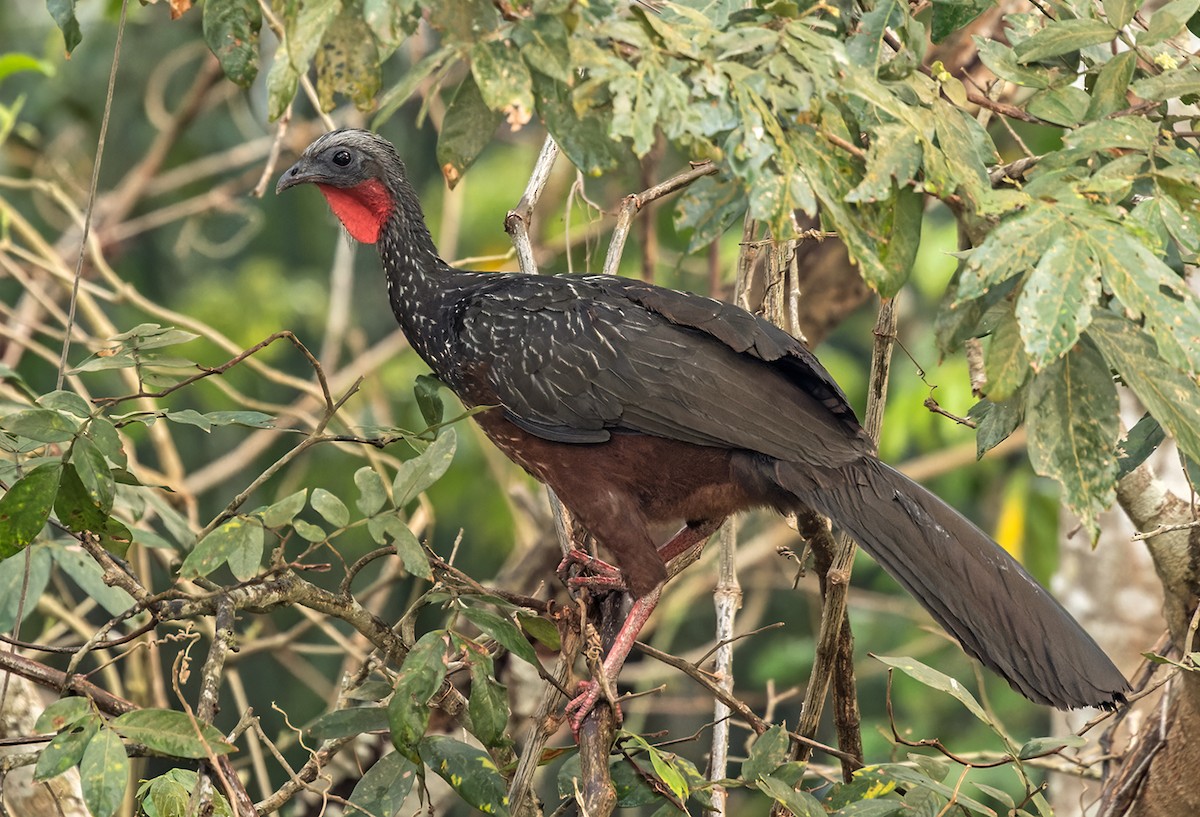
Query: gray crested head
345,158
364,182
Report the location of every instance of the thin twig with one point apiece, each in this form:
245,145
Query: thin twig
89,209
517,222
833,610
635,201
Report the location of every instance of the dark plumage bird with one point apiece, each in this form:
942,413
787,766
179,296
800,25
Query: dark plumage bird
641,405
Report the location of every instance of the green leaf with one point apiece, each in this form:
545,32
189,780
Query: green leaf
403,539
1148,287
371,493
1168,21
890,773
1002,61
1139,443
893,158
469,771
63,12
61,713
708,208
1066,106
1123,133
416,474
1062,37
84,571
1055,304
769,751
799,803
1043,746
348,61
282,512
168,795
996,421
1172,397
67,748
1169,84
104,434
345,723
15,62
542,630
583,137
950,16
939,681
1006,364
1071,414
488,704
664,769
865,47
330,507
74,505
25,509
504,631
1120,12
41,425
13,581
546,47
239,540
426,390
249,419
104,773
419,678
1012,248
231,31
467,129
94,472
385,786
173,733
1112,84
308,531
503,79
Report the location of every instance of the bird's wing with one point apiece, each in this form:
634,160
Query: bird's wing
574,359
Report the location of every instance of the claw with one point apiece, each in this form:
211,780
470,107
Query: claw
584,702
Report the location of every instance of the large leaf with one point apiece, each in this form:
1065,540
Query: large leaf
26,507
1062,37
104,773
415,475
469,771
63,12
1071,414
1055,304
1172,397
419,678
14,581
175,734
348,62
467,129
384,787
238,541
231,30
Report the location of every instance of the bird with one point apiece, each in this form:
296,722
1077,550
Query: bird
641,405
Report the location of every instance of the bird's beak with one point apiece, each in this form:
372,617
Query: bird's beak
298,173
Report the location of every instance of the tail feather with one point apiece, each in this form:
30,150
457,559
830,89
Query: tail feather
968,583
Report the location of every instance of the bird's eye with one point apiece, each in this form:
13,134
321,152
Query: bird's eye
341,158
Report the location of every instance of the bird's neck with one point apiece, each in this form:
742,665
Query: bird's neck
418,280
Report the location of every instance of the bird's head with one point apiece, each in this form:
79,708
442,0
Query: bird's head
359,174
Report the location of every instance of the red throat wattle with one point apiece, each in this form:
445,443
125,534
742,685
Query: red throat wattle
362,209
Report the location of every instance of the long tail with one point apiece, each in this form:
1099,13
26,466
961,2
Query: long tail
974,589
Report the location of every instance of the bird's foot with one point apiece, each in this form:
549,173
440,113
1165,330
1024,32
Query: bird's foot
584,702
601,575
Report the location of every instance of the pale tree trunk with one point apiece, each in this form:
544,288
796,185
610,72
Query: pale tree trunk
21,795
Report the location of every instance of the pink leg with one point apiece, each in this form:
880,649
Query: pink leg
589,691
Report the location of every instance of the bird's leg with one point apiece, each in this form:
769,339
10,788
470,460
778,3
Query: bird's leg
589,691
603,575
690,535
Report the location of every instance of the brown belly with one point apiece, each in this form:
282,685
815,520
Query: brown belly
666,480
